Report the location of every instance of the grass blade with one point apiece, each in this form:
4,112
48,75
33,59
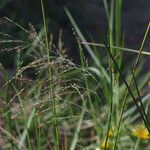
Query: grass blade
76,134
25,132
130,82
82,38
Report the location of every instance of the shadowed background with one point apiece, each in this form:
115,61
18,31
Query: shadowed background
135,18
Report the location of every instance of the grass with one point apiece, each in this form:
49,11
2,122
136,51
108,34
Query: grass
97,104
50,83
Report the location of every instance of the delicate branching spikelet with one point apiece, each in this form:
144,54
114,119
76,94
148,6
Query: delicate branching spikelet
34,92
25,89
86,99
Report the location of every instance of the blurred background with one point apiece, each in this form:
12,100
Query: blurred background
135,18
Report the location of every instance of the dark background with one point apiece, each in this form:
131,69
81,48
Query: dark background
135,18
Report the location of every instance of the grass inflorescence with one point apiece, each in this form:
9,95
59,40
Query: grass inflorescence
96,104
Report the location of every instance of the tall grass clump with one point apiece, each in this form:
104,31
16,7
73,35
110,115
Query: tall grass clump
96,104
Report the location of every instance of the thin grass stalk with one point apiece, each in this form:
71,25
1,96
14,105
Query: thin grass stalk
114,18
118,14
112,67
50,75
82,38
106,9
85,79
141,103
130,82
107,48
111,27
26,131
25,118
38,133
111,108
76,134
38,120
118,9
114,39
117,48
11,137
8,111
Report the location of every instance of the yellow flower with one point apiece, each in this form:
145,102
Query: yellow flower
110,133
141,132
149,83
108,145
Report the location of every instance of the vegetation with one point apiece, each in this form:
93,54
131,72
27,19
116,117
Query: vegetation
99,103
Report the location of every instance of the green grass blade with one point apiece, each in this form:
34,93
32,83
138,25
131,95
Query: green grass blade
147,123
82,38
56,132
130,83
76,134
25,132
106,9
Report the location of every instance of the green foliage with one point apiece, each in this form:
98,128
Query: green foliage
95,104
